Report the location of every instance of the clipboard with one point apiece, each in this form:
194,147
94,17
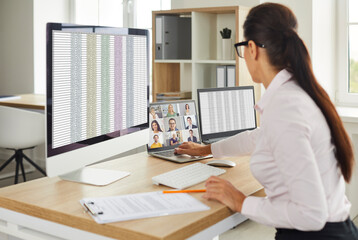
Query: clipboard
140,205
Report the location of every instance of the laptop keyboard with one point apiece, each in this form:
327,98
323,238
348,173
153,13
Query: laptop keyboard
213,140
187,176
166,153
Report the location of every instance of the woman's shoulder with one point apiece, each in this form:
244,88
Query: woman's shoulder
290,102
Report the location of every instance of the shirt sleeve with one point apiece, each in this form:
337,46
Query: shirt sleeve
238,145
305,206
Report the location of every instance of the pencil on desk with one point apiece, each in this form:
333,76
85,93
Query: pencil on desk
185,191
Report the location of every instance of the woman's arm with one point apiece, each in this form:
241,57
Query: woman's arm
238,145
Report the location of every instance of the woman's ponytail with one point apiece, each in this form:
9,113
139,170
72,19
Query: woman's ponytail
275,25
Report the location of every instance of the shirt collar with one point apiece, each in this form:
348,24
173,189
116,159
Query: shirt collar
280,78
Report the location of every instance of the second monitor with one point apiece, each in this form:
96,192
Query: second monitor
224,112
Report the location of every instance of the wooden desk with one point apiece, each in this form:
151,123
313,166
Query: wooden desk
32,101
56,200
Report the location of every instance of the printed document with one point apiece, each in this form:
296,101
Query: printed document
141,205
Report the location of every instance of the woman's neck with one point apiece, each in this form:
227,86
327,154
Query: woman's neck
267,74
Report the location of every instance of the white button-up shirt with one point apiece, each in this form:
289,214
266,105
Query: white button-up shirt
292,156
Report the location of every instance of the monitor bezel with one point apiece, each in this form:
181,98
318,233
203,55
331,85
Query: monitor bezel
174,102
50,27
205,137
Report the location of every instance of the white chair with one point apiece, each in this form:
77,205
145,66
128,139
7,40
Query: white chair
20,130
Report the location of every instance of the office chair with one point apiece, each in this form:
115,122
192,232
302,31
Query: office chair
21,130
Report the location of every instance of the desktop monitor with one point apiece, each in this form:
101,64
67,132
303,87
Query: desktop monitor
97,94
224,112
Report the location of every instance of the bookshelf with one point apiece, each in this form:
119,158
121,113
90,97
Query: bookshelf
200,71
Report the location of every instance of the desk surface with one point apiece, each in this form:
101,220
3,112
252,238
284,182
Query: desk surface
32,101
57,200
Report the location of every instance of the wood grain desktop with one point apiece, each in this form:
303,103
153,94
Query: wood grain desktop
31,101
57,200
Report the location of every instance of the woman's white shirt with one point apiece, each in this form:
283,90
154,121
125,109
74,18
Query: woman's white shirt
292,156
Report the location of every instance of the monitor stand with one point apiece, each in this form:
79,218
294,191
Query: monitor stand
94,176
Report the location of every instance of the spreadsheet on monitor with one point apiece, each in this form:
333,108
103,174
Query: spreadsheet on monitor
229,110
92,94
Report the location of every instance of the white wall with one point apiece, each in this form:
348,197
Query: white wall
176,4
45,11
303,11
317,28
16,51
324,44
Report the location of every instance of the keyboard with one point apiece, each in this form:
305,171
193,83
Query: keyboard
213,140
187,176
166,153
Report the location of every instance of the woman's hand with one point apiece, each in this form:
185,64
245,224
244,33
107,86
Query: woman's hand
193,149
223,191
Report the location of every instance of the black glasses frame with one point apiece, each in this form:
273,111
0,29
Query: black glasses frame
245,43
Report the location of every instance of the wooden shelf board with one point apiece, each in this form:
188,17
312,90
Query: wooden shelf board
231,62
173,61
215,10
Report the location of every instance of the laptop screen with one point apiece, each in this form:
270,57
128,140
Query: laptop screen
226,111
172,123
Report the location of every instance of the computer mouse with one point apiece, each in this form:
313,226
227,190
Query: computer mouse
221,163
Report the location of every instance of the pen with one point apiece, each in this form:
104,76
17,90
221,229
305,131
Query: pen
185,191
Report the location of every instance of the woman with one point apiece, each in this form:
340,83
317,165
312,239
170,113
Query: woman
187,109
156,127
174,140
171,112
152,114
301,153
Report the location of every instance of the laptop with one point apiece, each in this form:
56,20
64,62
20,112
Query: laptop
224,112
170,124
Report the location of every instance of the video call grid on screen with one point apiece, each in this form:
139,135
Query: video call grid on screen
172,123
90,88
226,109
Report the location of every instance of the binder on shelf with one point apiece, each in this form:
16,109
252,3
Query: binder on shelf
225,76
220,76
230,76
172,37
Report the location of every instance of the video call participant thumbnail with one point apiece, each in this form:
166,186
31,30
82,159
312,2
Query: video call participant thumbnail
156,143
192,138
190,124
156,127
187,109
174,139
172,125
171,112
152,114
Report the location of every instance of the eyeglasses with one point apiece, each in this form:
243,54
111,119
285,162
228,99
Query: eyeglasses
240,47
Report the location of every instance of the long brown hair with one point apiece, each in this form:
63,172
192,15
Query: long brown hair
275,26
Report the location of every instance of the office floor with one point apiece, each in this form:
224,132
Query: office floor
29,176
246,231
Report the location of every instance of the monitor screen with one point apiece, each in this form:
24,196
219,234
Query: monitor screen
226,111
97,85
172,123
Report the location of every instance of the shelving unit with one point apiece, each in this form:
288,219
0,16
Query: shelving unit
200,71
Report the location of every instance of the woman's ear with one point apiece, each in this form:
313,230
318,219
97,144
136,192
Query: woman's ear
252,49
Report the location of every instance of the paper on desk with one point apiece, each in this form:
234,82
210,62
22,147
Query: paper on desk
143,205
8,97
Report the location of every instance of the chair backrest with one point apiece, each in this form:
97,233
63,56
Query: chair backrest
21,128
